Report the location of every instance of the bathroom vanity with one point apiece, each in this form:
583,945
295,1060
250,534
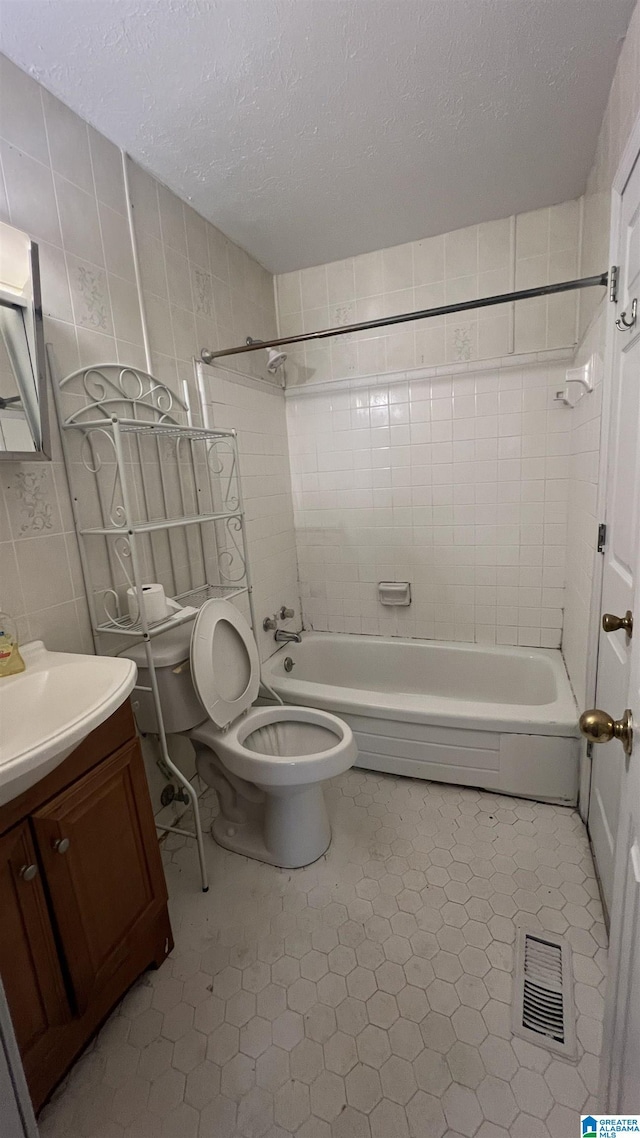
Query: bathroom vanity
82,897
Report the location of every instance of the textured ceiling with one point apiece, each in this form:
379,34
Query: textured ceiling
309,130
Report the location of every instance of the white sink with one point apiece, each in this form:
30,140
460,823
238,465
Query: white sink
53,705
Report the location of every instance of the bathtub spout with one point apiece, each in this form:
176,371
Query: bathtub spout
284,637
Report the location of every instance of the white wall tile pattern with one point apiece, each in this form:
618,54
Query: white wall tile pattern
482,260
455,483
583,518
62,182
257,411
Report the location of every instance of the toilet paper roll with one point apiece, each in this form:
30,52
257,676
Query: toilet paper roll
153,600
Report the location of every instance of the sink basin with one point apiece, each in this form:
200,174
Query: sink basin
53,705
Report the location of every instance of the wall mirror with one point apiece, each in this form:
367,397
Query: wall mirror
24,421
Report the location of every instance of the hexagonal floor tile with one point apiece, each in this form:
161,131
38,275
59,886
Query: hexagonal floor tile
366,996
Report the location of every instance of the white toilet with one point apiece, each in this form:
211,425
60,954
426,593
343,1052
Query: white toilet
267,764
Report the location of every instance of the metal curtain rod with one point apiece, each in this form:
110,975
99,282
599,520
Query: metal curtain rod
404,317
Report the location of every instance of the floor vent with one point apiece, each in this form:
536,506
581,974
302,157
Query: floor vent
543,1010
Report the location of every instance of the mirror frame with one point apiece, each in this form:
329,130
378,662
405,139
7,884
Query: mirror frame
43,454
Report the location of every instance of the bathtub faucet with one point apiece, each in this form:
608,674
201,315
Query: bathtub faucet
284,637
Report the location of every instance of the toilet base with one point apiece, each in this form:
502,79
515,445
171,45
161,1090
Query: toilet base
289,829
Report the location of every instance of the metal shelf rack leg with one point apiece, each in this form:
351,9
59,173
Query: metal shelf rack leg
182,778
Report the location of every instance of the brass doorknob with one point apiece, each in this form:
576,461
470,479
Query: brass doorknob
599,727
612,623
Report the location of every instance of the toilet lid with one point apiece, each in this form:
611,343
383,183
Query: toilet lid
225,666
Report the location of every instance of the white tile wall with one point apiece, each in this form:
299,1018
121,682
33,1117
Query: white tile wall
257,411
582,518
455,483
549,245
62,182
481,260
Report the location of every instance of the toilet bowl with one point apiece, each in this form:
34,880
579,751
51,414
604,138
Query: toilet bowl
286,753
267,764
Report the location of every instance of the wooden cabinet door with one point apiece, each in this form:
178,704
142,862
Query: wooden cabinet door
29,962
98,846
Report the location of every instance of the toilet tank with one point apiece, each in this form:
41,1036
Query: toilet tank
181,708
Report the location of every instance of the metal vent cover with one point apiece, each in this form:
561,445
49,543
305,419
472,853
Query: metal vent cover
543,1007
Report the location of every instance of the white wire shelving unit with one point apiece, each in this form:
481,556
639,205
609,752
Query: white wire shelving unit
155,499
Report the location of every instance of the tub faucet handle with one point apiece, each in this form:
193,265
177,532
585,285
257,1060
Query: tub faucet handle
269,623
286,613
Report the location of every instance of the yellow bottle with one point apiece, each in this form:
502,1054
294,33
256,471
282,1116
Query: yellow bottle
11,661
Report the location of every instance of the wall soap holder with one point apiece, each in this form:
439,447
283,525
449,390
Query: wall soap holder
585,376
394,592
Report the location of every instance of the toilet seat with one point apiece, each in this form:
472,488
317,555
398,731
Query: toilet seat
271,746
332,748
225,666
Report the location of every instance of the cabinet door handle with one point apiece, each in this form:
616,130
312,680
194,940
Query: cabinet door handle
28,872
61,845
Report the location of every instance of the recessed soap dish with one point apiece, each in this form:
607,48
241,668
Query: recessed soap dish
394,592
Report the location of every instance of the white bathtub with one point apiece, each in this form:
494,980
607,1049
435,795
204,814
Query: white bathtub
500,718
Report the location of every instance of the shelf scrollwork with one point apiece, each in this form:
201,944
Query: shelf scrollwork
128,391
221,462
231,560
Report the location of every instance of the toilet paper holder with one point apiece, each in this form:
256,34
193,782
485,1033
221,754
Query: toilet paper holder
394,592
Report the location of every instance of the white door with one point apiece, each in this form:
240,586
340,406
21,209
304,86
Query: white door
619,688
623,525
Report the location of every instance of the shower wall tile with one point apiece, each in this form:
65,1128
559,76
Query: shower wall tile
482,260
257,411
583,519
456,483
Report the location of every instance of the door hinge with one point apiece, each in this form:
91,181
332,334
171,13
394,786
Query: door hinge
613,283
602,536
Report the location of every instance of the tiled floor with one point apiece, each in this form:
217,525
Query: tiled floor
367,996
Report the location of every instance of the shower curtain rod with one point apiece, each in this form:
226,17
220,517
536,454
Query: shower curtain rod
207,355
